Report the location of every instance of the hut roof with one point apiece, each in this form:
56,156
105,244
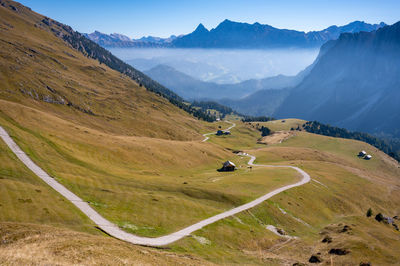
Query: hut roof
227,163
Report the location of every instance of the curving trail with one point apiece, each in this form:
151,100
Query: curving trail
213,133
114,230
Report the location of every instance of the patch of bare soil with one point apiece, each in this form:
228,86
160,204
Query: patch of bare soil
276,137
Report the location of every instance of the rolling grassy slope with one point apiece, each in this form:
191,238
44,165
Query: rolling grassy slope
128,152
32,244
280,124
343,188
42,71
140,162
137,180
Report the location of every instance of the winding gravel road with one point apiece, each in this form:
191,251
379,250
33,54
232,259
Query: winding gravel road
114,230
213,133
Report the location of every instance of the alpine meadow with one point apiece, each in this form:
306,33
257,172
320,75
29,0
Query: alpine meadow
177,133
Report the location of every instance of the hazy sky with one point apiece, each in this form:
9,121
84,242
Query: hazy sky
137,18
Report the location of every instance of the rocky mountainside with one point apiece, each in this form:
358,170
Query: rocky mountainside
116,40
230,34
354,84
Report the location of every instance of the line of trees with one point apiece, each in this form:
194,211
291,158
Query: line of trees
388,147
257,118
222,109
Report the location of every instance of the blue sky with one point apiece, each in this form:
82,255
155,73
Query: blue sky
165,17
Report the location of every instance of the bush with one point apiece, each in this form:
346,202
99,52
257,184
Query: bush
379,217
369,212
265,131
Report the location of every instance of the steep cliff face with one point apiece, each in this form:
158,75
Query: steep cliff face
355,84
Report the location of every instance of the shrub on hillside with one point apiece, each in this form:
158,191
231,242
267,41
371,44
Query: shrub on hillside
369,212
265,131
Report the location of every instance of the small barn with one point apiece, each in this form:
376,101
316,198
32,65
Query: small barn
222,132
362,154
228,166
368,157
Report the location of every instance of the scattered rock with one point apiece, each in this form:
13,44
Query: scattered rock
130,226
315,259
395,226
14,8
281,231
365,264
345,229
387,220
185,183
46,21
339,251
327,239
51,89
202,240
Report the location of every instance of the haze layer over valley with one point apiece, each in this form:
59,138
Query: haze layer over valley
222,66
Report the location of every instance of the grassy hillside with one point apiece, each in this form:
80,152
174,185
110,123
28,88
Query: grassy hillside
281,124
343,188
137,180
32,244
40,70
139,161
128,152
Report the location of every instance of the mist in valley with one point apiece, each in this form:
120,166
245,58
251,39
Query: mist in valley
221,66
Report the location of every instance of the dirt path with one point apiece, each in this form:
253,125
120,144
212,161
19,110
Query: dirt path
213,133
114,230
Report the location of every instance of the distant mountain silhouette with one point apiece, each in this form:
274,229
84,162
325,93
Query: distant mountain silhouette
122,41
230,34
194,89
268,96
355,84
261,103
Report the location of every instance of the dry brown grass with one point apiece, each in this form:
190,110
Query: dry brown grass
276,137
139,155
31,244
36,65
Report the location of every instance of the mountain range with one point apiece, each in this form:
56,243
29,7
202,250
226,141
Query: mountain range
230,34
355,83
117,40
194,89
